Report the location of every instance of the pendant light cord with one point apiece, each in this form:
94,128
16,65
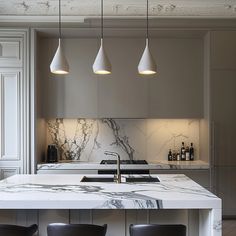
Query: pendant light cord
147,21
60,19
102,19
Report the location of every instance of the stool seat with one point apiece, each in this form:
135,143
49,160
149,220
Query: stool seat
17,230
60,229
157,230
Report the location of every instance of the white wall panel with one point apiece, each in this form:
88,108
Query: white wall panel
9,115
8,171
10,52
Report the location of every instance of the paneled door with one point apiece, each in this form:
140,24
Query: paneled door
10,122
15,125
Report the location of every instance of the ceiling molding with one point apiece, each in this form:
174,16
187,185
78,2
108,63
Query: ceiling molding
80,10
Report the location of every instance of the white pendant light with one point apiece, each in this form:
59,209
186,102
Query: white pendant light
59,64
147,65
102,64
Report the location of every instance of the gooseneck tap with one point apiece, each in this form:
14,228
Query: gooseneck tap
117,177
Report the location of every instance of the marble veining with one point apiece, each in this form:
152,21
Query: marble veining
71,145
161,165
217,225
123,142
87,139
172,191
111,199
44,198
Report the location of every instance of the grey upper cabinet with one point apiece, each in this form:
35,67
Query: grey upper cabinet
175,92
223,50
123,94
178,90
73,95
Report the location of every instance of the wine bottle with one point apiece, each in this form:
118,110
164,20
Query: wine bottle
170,158
178,156
187,154
182,152
191,152
174,155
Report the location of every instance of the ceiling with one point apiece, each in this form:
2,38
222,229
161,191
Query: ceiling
79,10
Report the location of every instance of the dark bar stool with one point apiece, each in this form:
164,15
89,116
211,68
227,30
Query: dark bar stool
17,230
157,230
59,229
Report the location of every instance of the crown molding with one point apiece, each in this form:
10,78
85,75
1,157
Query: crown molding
79,10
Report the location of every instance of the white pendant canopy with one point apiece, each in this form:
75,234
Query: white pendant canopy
147,65
102,64
59,64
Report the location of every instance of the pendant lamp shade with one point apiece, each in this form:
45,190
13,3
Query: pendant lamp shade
59,64
147,65
102,64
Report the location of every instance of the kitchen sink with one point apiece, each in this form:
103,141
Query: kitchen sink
130,179
142,179
97,179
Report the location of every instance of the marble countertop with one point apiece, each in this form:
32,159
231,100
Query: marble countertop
67,192
165,165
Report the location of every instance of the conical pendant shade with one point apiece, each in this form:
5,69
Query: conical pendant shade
102,64
59,64
147,65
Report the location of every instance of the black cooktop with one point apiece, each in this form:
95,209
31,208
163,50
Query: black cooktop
124,162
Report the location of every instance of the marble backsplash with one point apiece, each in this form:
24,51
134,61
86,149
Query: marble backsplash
150,139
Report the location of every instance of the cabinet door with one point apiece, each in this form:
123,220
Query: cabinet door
223,50
178,90
73,95
10,115
225,188
123,94
11,132
223,112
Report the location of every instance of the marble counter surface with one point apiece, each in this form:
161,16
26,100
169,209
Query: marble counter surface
165,165
67,192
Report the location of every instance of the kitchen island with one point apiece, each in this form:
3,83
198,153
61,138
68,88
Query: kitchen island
43,199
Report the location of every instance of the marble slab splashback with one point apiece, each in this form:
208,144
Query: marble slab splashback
150,139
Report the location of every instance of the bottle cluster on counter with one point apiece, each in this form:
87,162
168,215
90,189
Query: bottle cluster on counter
185,153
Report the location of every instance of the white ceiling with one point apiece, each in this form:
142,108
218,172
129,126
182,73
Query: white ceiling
78,10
